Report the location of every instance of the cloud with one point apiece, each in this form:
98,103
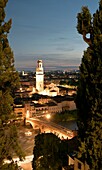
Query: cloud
51,61
58,38
63,38
64,49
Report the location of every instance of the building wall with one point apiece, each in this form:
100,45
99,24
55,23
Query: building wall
70,160
18,110
41,110
52,109
68,105
72,105
39,76
78,165
26,109
29,108
40,82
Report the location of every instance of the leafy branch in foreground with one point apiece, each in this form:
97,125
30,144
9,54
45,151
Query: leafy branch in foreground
9,81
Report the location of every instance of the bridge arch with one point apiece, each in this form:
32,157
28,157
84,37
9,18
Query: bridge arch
34,125
45,127
30,122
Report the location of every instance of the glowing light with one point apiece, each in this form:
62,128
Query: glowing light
48,116
27,114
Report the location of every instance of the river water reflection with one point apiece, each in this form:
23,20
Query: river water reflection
70,124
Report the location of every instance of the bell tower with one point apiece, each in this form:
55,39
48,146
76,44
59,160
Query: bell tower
39,76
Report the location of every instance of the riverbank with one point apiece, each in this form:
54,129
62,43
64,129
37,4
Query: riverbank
72,125
65,116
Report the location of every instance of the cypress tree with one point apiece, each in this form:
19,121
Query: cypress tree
9,81
89,94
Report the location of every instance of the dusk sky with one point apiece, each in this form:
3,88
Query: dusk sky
46,29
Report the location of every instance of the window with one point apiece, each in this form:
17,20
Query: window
19,114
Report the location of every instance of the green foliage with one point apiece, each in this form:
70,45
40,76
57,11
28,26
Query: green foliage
9,166
8,76
89,95
63,82
72,82
50,152
65,116
46,152
84,20
9,81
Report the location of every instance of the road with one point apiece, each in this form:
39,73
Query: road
26,164
27,145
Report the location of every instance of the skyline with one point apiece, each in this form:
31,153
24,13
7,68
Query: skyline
46,30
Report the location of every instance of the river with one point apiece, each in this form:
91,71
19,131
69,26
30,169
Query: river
72,125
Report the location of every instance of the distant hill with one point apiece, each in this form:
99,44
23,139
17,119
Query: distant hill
64,68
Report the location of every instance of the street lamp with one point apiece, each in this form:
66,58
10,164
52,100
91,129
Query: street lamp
48,116
27,114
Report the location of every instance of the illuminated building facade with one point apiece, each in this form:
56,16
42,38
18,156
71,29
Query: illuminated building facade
39,76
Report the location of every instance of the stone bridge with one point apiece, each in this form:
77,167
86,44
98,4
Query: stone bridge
50,127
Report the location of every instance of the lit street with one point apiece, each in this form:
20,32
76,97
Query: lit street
26,164
26,138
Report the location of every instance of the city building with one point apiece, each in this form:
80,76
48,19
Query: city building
76,164
39,97
39,77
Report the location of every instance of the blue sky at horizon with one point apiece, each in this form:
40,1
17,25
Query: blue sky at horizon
46,29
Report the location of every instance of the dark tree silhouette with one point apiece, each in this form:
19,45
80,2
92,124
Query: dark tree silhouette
50,152
46,152
89,95
9,81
